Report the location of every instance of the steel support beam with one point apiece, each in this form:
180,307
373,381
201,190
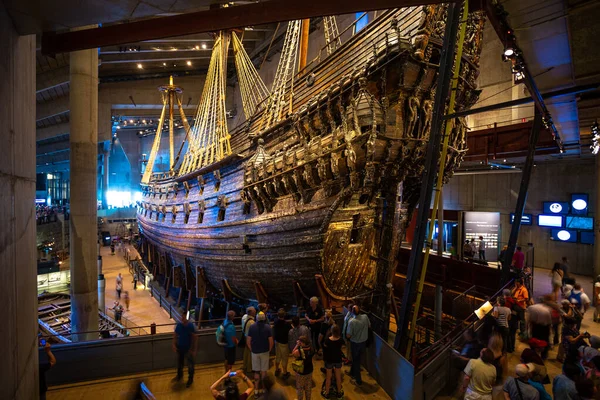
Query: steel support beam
526,100
213,20
522,198
52,131
497,17
429,174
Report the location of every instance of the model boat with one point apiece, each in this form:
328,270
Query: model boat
292,200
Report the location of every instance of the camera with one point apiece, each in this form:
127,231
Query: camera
232,374
42,342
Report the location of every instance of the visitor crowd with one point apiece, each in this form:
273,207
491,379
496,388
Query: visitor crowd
552,321
47,214
296,346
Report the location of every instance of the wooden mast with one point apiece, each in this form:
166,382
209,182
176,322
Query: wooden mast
303,44
171,133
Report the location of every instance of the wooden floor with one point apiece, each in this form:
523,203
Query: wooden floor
161,385
143,309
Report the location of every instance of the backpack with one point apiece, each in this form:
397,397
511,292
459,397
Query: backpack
576,297
221,340
242,341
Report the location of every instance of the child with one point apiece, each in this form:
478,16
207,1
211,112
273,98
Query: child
304,379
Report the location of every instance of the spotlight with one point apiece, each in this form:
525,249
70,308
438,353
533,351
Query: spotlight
144,121
140,66
509,52
197,47
595,146
118,127
189,63
164,64
203,46
131,121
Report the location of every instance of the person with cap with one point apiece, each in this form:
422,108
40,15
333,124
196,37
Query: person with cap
519,388
260,342
581,302
480,377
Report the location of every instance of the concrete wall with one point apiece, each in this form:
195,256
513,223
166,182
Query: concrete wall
553,181
18,327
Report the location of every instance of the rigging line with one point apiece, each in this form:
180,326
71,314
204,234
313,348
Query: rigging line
270,44
512,86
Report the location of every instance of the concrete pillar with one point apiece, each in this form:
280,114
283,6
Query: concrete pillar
83,221
18,270
597,221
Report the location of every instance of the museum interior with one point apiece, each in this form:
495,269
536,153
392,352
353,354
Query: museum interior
278,199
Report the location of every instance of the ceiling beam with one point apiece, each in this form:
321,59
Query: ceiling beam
211,21
53,158
60,105
52,148
52,131
50,79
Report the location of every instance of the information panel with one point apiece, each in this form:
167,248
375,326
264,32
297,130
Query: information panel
486,224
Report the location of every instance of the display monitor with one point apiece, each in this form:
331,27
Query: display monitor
552,221
556,207
564,235
579,203
576,222
527,219
586,237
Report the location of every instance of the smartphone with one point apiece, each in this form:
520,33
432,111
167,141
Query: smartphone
232,374
42,342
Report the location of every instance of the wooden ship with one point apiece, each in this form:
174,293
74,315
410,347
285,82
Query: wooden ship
293,202
54,318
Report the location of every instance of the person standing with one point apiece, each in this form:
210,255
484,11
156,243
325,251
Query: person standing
539,318
521,296
518,260
230,340
502,315
185,344
303,350
127,299
481,248
44,367
519,388
315,317
480,377
260,342
557,279
358,333
332,355
281,328
119,285
135,280
580,300
347,318
118,310
247,321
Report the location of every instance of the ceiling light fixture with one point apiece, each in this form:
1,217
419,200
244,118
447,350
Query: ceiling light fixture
204,46
140,66
164,64
197,47
595,146
189,63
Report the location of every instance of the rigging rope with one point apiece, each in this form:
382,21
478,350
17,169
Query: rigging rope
156,144
332,34
252,88
276,104
209,139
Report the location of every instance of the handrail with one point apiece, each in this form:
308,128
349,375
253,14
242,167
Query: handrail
447,340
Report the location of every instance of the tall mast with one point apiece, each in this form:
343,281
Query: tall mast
304,44
171,129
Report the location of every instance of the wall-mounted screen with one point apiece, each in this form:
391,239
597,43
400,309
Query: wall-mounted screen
579,203
527,219
553,221
556,207
583,223
564,235
586,237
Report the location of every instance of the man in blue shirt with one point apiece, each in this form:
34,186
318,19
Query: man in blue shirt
231,341
185,345
260,342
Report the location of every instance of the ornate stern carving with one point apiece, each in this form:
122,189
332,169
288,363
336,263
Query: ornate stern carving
247,200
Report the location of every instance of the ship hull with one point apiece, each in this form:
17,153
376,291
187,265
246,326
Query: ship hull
307,204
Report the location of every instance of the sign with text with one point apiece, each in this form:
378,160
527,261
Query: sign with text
486,225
